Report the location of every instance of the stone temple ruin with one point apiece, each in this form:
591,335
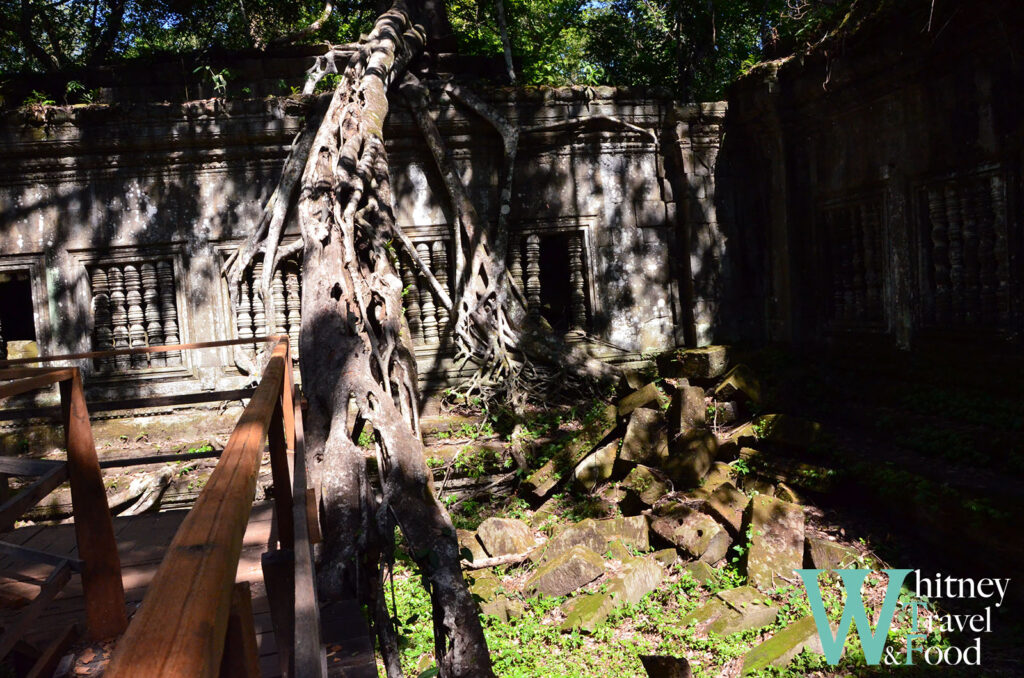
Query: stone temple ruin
864,208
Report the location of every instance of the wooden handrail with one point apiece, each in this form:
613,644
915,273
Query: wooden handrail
89,355
41,380
180,629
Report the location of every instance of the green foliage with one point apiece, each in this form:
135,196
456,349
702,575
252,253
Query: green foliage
37,98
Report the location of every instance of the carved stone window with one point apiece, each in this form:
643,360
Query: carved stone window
966,261
855,259
286,300
134,305
551,268
427,316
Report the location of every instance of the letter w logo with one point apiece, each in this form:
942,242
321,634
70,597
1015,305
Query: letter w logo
853,612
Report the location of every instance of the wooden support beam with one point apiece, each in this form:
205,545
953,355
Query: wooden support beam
48,660
241,657
34,556
94,530
282,479
30,495
22,466
193,586
47,592
27,384
309,659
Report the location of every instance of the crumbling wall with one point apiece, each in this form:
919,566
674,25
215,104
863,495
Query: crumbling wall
874,185
123,213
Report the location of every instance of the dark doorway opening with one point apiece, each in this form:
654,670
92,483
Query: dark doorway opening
17,324
555,296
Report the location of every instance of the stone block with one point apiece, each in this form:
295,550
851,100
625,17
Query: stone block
702,572
822,554
687,410
468,541
739,384
728,504
691,458
725,413
505,536
696,533
658,666
639,577
574,448
708,362
755,484
643,485
780,649
649,395
583,533
564,574
776,541
733,611
597,534
646,439
586,613
632,531
720,473
787,431
667,557
598,466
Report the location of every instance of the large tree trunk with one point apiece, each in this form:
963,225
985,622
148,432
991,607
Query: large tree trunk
358,367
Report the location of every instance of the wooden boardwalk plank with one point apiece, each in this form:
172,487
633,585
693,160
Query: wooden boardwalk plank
142,541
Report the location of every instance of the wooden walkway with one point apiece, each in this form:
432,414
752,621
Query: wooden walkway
141,542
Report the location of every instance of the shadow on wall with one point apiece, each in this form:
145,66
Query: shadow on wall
127,194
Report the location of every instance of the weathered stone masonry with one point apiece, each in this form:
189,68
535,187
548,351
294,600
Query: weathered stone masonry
878,191
121,216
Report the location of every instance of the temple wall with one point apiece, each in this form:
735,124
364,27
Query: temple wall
115,221
874,193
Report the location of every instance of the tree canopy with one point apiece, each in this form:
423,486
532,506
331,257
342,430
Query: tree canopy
691,48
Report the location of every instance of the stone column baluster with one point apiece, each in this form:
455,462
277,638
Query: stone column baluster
136,330
243,314
954,235
940,252
118,315
533,273
277,298
439,264
970,239
411,299
427,307
872,261
844,234
516,267
859,285
997,190
102,331
154,328
168,309
293,301
577,284
259,314
987,280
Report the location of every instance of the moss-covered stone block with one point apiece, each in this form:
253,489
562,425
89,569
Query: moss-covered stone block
776,541
562,575
780,649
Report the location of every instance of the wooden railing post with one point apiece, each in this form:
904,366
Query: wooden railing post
282,478
94,529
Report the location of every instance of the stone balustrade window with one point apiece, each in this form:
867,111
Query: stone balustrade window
855,259
285,298
134,305
966,256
